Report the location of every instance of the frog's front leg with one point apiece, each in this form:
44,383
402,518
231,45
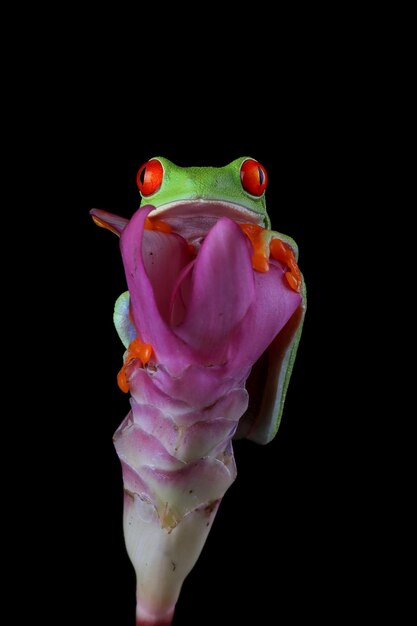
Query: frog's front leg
268,243
135,347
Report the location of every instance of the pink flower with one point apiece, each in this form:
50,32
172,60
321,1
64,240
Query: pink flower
207,317
203,310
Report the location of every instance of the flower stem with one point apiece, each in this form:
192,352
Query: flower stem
142,620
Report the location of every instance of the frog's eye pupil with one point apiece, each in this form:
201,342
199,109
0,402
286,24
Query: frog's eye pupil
261,175
253,177
149,177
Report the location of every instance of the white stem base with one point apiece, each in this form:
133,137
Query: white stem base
162,559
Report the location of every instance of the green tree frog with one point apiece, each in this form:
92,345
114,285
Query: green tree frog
188,201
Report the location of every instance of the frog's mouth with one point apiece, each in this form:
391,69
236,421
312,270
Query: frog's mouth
193,219
190,219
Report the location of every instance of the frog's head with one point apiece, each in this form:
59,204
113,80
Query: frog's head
191,199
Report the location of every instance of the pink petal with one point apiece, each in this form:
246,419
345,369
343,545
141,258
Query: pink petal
138,448
185,489
112,222
133,482
273,305
164,256
230,406
174,493
145,389
201,386
152,327
205,438
157,423
181,295
185,435
222,290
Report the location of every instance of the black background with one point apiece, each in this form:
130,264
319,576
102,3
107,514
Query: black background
284,536
307,530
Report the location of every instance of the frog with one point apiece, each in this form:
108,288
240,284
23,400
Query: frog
188,201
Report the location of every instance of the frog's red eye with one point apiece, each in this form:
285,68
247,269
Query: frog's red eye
149,177
254,177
